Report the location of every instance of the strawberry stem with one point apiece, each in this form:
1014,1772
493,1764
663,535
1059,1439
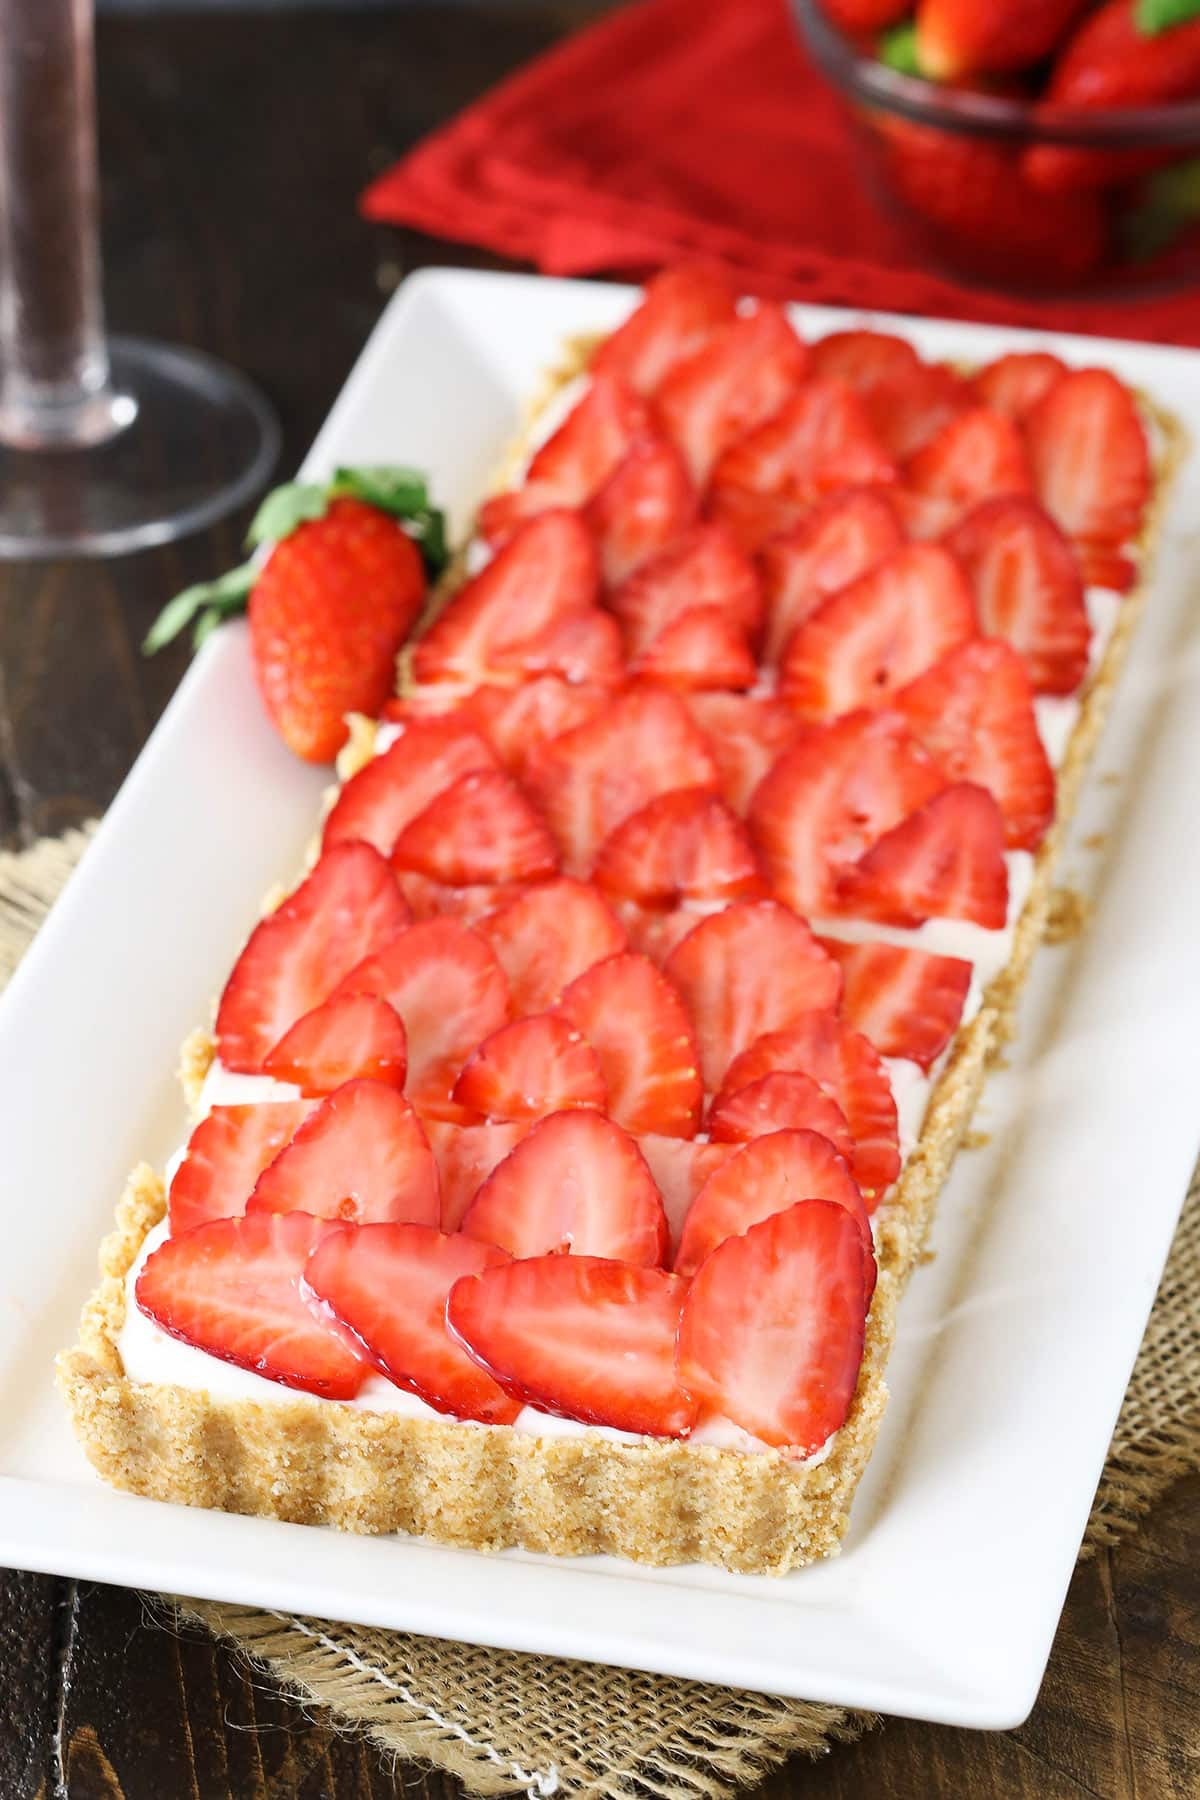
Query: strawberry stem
1155,16
400,492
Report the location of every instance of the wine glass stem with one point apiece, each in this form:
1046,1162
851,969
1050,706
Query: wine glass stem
54,374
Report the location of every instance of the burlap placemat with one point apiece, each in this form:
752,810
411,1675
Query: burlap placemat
505,1723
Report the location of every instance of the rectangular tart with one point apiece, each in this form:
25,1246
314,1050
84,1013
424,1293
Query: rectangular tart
491,1486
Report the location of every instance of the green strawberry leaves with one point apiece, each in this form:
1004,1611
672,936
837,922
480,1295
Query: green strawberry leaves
897,48
209,604
401,492
1154,16
1169,204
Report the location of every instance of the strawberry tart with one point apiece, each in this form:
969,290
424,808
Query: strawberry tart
566,1135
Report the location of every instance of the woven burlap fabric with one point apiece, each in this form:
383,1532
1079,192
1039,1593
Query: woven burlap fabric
505,1723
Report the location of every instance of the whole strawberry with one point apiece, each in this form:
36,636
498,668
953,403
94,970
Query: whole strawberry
331,604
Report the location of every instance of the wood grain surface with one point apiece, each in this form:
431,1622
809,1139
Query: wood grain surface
233,147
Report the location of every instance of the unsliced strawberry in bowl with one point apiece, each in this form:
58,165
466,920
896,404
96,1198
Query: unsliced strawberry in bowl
340,588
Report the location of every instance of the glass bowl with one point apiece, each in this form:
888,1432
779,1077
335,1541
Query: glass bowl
1000,189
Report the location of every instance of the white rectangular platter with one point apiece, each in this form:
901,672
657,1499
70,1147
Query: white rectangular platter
1017,1339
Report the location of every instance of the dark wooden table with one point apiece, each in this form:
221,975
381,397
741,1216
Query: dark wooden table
233,148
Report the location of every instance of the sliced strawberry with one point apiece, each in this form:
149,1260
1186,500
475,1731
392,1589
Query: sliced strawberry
582,646
346,910
907,411
532,1067
783,1101
651,931
764,1177
346,1036
703,568
835,543
1027,588
789,1383
445,982
974,714
1014,383
680,1167
581,1337
821,440
976,456
745,735
429,899
829,797
751,969
702,649
590,779
639,1028
577,1183
480,830
361,1156
547,936
1090,458
874,636
840,1060
516,720
864,360
946,861
226,1154
685,845
393,789
743,374
575,461
907,1002
388,1285
1102,566
547,570
678,312
646,503
232,1288
466,1154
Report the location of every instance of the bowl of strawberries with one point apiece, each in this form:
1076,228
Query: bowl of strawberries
1045,145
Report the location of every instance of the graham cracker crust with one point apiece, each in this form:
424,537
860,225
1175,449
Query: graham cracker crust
491,1487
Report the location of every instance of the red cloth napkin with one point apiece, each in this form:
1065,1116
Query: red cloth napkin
685,128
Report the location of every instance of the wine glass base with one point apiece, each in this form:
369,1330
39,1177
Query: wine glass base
199,441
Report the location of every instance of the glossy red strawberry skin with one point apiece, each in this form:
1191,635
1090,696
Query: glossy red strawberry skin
646,503
973,712
968,37
739,377
639,1028
1109,62
753,968
946,860
226,1154
803,1268
908,1002
328,612
679,311
548,935
581,1337
1028,590
762,1178
872,637
534,1066
388,1284
231,1287
576,1184
348,908
353,1035
361,1157
839,1059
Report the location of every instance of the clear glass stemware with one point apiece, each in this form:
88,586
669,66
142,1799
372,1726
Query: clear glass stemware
106,444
